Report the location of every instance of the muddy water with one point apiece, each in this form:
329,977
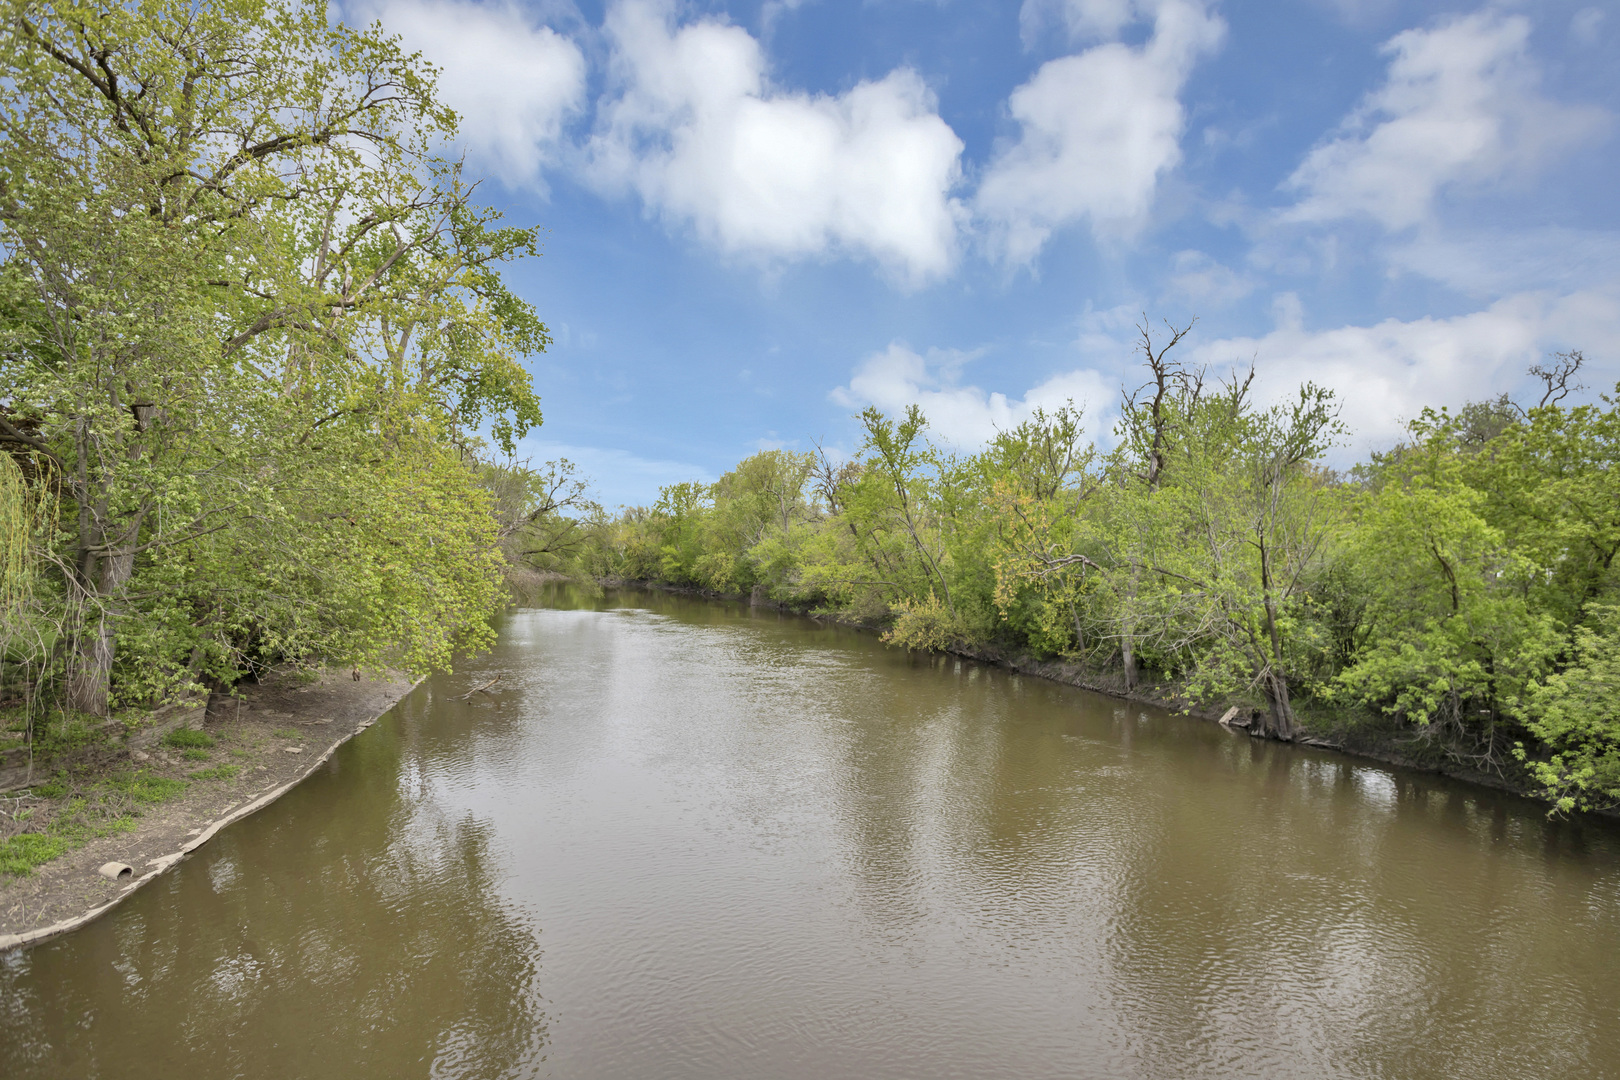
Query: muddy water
686,840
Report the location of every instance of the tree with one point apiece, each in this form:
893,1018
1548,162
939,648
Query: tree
1262,517
542,515
1452,629
1575,713
888,504
1038,477
240,298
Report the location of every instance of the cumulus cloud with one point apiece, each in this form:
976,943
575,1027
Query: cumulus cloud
697,130
1460,104
1387,373
1097,129
515,84
963,416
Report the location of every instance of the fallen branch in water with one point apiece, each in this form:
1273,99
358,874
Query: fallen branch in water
481,689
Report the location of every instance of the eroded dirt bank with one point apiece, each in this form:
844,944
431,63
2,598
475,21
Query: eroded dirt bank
264,743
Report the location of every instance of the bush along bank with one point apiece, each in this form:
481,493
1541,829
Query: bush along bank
1451,603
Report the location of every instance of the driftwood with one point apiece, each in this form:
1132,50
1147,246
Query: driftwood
481,689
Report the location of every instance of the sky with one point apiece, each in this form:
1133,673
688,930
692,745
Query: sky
761,218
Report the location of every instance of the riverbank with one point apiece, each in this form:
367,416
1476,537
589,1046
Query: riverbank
1368,738
157,805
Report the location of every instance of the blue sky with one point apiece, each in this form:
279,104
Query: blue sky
761,218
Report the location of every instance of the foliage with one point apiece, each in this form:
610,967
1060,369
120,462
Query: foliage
1575,714
1459,589
253,332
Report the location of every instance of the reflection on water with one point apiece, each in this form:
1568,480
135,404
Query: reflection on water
354,929
762,847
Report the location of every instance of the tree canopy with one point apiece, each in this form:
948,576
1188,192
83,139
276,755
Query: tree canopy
252,330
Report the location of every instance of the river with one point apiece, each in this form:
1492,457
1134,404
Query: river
692,840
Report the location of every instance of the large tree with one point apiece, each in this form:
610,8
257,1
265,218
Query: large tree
245,309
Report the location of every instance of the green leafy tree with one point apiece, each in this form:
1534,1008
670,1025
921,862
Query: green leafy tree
1575,713
1452,630
240,301
888,510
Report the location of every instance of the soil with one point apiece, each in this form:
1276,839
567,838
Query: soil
276,732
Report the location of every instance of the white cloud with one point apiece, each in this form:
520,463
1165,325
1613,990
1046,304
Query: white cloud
515,84
1587,25
1495,263
616,477
1359,12
698,131
1097,130
963,416
1460,105
1082,18
1202,280
1387,373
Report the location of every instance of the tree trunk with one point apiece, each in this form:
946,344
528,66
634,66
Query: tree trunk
90,667
1127,653
89,682
1127,636
1279,722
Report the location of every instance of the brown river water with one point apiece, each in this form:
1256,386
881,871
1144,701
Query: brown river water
689,840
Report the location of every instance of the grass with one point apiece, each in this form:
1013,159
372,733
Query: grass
218,772
59,732
20,854
287,733
195,755
188,739
142,787
83,811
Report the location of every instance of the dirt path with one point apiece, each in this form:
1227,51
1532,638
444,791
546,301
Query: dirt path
279,733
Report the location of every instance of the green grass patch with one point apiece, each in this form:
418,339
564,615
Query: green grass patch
218,772
188,739
20,854
82,810
144,788
194,755
287,733
241,753
54,788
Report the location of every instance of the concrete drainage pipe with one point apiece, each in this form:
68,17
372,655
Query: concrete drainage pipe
116,871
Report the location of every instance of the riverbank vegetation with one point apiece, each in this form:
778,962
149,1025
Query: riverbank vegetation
1457,593
254,346
256,352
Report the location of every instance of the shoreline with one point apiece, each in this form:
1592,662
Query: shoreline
271,739
1071,675
279,732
